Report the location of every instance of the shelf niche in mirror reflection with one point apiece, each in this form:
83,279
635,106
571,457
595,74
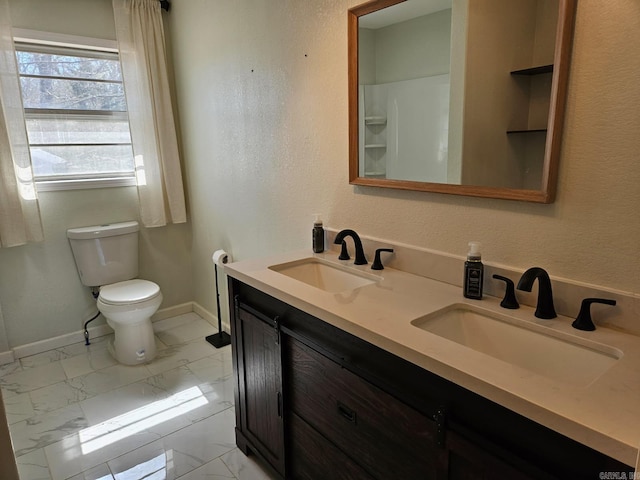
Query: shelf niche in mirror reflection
459,96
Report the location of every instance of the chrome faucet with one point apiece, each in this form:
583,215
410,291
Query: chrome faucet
360,258
544,308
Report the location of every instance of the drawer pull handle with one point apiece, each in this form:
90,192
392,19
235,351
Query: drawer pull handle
347,413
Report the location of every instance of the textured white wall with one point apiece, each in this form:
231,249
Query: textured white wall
262,94
72,17
40,291
4,343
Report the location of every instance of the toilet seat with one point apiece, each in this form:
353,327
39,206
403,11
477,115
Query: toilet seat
129,292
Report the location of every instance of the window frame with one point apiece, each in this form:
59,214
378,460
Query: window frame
43,41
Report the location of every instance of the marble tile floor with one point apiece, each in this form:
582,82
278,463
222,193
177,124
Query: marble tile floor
74,413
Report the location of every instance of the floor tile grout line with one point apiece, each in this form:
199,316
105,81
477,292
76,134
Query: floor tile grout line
79,404
106,462
216,354
152,441
142,445
67,378
150,375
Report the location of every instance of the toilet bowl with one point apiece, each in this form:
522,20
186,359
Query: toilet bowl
106,256
128,307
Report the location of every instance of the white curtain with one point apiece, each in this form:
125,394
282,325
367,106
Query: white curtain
153,133
19,211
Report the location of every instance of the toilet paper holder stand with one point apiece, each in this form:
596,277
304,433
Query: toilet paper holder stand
222,338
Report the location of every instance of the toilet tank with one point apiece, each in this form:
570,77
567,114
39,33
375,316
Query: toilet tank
105,254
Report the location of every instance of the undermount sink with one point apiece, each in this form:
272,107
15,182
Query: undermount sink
324,275
552,354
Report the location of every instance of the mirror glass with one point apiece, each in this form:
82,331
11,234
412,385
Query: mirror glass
459,96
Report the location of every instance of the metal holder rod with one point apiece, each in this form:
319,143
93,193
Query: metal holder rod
222,338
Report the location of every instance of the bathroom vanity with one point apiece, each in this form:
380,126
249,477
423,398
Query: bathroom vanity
336,385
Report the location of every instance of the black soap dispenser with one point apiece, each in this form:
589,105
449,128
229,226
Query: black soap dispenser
473,272
317,235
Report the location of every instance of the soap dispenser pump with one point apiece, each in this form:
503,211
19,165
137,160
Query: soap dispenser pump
317,235
473,272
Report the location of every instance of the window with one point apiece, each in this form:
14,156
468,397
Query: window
76,116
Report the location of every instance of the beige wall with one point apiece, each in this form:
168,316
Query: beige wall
40,291
262,93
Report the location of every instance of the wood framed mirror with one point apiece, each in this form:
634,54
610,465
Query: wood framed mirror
463,97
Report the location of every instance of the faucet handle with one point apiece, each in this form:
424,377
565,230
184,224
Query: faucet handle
509,301
344,253
583,320
377,263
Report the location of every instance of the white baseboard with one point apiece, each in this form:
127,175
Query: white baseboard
6,357
210,317
100,330
60,341
172,311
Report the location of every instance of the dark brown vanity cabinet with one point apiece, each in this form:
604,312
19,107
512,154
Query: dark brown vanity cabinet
315,402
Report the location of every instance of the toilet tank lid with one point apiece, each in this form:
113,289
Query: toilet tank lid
99,231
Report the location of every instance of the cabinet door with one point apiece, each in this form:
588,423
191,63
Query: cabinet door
259,374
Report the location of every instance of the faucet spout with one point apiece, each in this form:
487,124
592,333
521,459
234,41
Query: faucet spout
544,308
360,258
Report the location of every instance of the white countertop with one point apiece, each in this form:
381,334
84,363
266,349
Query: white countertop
604,415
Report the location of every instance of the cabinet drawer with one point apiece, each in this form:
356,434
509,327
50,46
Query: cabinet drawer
313,457
386,437
470,460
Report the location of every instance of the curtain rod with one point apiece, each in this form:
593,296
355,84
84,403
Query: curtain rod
165,5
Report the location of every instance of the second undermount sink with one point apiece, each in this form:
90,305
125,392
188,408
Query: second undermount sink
325,275
552,354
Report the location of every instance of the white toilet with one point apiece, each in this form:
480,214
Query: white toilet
107,257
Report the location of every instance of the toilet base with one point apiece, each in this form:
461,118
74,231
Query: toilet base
133,344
